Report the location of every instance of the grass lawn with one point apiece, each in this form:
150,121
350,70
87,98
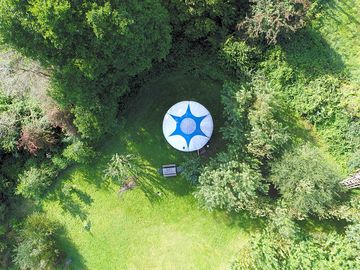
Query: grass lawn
142,230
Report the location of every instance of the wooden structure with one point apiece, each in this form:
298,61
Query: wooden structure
353,181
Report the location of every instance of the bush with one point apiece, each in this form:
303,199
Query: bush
269,251
35,137
354,161
237,100
197,20
8,131
237,56
271,19
255,120
192,169
231,185
307,182
34,181
121,167
268,135
79,152
319,102
37,248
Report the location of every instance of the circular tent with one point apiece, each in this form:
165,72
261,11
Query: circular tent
188,126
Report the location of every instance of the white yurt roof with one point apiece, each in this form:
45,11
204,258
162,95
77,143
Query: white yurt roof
188,126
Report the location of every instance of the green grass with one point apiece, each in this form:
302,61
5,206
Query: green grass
142,230
339,25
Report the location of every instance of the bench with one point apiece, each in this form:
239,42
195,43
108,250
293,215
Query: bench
169,170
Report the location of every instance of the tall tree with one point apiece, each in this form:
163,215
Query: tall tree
92,47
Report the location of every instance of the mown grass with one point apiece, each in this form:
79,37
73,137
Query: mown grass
142,230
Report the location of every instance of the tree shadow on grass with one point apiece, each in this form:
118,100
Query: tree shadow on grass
72,201
333,6
310,54
72,258
241,220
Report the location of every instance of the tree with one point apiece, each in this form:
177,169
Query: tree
231,185
268,135
270,251
200,19
79,151
255,120
37,246
307,182
122,167
35,137
93,49
34,181
270,19
238,56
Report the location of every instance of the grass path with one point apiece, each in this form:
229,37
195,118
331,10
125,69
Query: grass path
142,230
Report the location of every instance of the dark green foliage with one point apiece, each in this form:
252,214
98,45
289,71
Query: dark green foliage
271,19
93,48
319,101
79,152
192,169
238,57
37,248
307,182
354,161
35,181
201,19
255,118
15,114
228,184
237,101
269,251
268,135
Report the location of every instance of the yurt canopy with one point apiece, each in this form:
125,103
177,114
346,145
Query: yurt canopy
188,126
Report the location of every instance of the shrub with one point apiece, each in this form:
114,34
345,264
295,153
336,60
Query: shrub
35,137
121,167
268,136
197,20
34,181
354,161
192,169
319,102
8,131
237,56
307,182
322,251
254,118
60,162
37,248
231,185
61,118
79,152
237,100
350,99
271,19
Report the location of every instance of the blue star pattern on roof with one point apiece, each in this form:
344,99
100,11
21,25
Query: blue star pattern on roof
188,126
